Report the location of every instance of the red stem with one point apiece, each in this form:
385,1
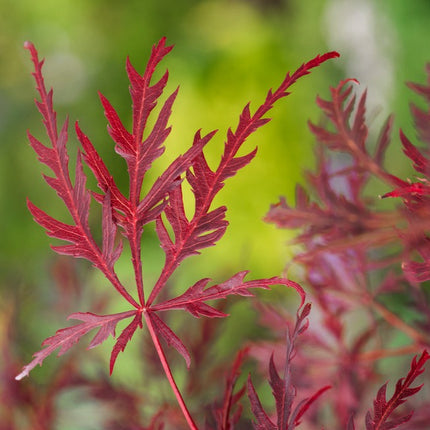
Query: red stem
134,240
168,372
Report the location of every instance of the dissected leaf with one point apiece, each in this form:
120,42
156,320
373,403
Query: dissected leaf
263,422
227,415
206,226
164,331
65,338
193,300
383,409
76,198
163,203
283,389
124,338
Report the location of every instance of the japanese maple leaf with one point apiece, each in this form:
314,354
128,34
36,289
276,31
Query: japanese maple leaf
288,415
130,213
383,408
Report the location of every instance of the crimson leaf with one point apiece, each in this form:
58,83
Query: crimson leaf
227,415
383,409
207,226
163,203
75,197
283,390
65,338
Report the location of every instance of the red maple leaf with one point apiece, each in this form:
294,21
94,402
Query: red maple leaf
163,203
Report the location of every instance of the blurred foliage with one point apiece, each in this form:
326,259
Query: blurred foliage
227,52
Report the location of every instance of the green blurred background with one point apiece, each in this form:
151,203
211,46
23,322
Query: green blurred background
227,52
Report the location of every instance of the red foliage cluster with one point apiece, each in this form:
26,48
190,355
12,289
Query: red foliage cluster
353,250
350,257
163,204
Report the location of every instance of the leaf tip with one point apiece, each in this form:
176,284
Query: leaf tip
333,54
22,375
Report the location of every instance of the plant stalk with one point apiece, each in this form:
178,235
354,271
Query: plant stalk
168,372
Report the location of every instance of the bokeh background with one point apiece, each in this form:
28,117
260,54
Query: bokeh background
227,52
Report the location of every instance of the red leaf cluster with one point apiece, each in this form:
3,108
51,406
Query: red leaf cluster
364,261
359,257
129,214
